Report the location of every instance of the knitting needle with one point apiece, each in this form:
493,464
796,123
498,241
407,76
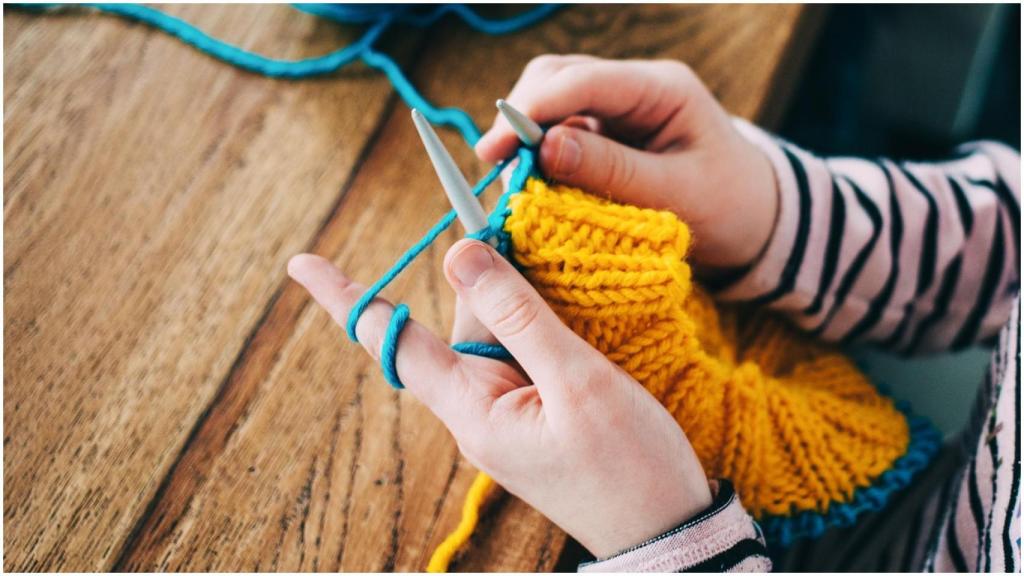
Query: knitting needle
459,193
466,206
528,131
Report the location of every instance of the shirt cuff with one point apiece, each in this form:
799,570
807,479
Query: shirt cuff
722,538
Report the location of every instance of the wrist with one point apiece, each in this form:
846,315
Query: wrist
764,184
761,188
741,204
792,194
706,542
644,525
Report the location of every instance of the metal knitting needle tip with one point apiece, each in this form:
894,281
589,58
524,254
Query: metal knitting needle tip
528,131
459,193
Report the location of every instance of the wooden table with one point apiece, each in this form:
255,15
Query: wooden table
171,400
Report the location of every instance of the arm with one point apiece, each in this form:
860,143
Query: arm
911,256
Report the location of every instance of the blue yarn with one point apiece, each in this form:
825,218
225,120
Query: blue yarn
422,17
495,351
498,27
189,34
353,13
496,220
381,17
364,302
451,117
389,348
496,223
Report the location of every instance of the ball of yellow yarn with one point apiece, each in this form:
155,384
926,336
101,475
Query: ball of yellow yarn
791,422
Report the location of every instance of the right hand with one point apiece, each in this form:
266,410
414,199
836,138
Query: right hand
647,133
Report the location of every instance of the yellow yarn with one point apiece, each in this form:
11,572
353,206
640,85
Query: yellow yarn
790,421
442,556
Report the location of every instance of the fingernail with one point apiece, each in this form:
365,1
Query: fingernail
568,155
481,143
470,263
484,149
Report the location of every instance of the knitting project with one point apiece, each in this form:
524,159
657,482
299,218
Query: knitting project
805,438
808,442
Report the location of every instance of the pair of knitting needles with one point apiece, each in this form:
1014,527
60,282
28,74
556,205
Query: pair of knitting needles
460,194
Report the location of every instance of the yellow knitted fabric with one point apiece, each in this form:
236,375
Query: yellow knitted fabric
791,422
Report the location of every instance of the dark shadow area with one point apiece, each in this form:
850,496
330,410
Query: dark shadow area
909,81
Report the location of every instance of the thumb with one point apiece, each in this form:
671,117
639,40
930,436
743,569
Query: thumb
508,306
599,165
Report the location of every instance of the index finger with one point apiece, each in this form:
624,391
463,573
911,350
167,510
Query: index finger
634,98
428,368
500,141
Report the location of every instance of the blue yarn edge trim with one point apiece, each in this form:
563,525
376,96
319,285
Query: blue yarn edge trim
925,442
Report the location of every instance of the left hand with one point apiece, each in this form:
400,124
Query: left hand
648,133
566,430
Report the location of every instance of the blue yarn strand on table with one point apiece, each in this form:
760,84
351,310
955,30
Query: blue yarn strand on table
416,15
379,18
244,59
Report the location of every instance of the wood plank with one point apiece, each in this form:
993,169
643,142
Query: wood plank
152,199
309,461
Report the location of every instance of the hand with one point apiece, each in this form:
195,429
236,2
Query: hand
585,444
647,133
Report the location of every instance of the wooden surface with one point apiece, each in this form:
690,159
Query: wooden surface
171,400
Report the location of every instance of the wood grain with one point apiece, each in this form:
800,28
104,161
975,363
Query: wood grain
152,198
171,401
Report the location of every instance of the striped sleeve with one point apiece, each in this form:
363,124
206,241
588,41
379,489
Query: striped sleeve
979,510
910,256
722,538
